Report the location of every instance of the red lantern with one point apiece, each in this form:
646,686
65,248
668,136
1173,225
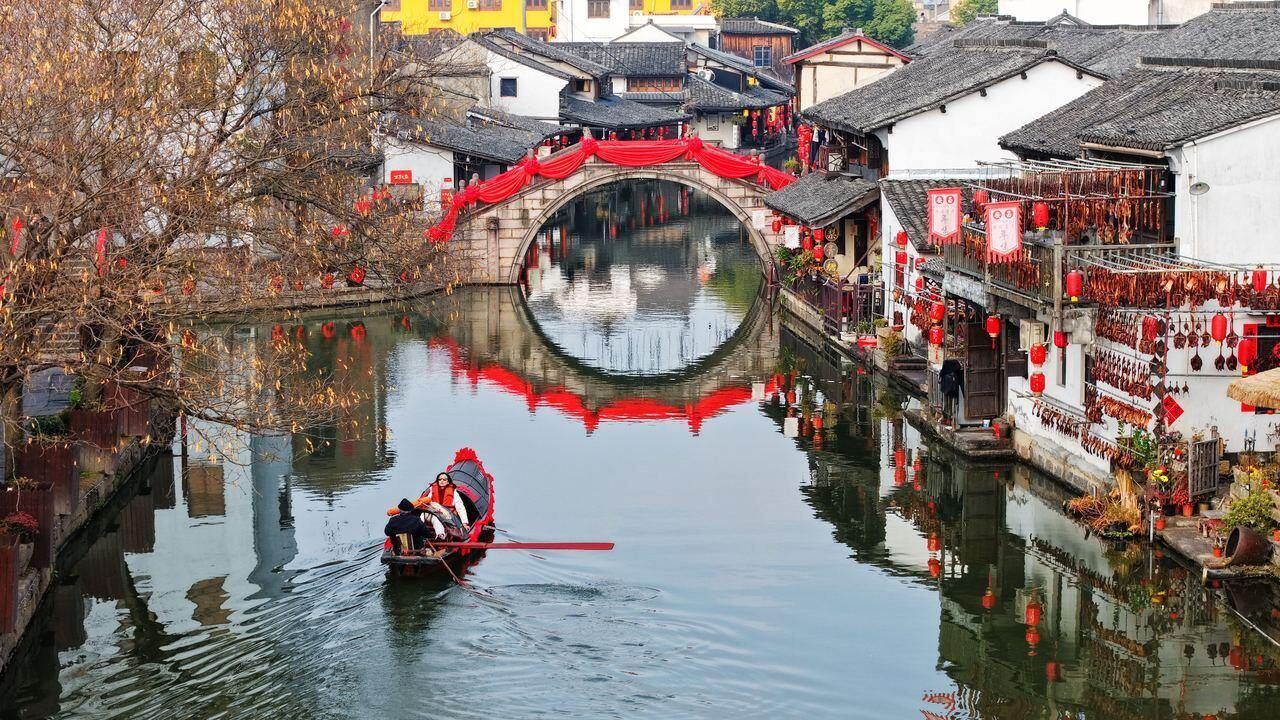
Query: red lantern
1247,352
937,312
277,334
819,235
900,476
919,284
935,567
326,281
1259,279
936,335
1037,383
358,332
806,242
900,257
1075,285
988,600
993,328
935,544
328,330
1033,613
1040,214
1218,327
1052,671
1059,339
900,458
357,275
819,253
901,238
777,225
1037,354
1033,639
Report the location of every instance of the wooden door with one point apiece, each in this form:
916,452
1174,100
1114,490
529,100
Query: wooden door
983,375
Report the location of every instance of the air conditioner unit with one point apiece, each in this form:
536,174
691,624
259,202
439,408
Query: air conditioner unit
473,4
446,16
1030,332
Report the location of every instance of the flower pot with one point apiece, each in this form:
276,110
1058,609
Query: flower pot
1186,510
1247,547
1217,551
1160,523
1275,535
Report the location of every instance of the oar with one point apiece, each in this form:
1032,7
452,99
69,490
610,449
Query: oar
526,545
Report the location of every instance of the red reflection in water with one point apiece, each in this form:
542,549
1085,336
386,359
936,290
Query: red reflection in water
638,409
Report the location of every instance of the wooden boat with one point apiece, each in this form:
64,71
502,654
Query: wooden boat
476,485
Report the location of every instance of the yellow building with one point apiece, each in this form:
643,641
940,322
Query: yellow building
536,18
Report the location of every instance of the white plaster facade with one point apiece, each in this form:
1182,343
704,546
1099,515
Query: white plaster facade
1236,221
1108,12
537,92
716,128
430,166
837,70
969,130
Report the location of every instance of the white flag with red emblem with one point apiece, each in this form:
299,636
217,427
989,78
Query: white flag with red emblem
944,215
1004,231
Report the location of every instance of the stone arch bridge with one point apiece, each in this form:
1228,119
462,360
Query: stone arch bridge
494,238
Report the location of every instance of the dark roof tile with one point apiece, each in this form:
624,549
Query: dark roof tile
633,59
819,197
744,66
1152,108
709,97
615,113
754,26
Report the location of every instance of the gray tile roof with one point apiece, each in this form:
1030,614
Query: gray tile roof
927,83
633,59
909,200
526,59
1152,108
482,116
818,198
521,43
1106,49
491,142
841,39
742,65
1237,31
615,113
754,26
709,97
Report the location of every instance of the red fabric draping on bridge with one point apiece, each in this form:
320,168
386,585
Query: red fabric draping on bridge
627,153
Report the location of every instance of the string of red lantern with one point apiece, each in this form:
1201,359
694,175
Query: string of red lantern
627,153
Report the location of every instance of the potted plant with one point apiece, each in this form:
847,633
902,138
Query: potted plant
25,528
792,166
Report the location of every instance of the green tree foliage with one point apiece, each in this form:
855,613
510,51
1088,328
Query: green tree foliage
966,10
889,21
763,9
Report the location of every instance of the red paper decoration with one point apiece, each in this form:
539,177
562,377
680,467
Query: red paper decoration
1218,327
938,312
1037,354
1075,285
919,284
1040,214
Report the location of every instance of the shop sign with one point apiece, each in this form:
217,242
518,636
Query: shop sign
401,177
1004,231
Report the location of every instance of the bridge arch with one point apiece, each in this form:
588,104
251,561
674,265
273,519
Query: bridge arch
499,235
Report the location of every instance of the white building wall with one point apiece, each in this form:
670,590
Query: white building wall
573,25
717,128
819,81
970,129
1236,221
537,93
431,166
1108,12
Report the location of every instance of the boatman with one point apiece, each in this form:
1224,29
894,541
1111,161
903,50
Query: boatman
405,525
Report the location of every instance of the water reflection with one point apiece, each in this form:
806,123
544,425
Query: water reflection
641,278
806,553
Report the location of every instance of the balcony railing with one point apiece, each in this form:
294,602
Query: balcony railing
842,305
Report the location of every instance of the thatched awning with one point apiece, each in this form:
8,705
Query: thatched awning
1261,390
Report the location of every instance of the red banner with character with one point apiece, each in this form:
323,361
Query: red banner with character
1004,231
944,215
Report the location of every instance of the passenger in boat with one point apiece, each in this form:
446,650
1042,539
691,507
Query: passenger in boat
443,491
407,525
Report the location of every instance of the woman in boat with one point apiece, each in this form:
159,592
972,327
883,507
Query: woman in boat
445,494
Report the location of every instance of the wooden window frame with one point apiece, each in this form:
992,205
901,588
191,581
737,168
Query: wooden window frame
593,9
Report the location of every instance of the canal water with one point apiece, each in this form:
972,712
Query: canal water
787,546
